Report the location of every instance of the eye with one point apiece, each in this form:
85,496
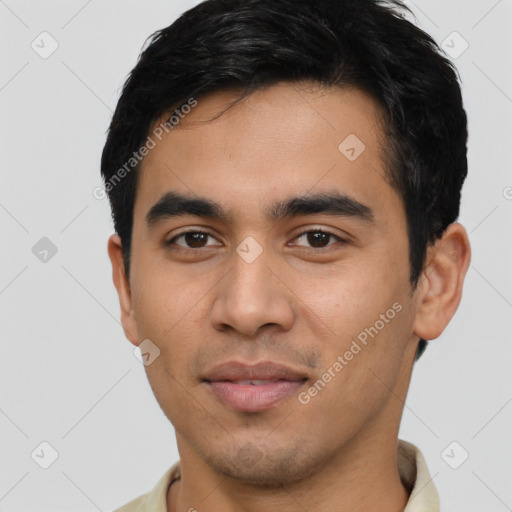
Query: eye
192,240
316,239
319,238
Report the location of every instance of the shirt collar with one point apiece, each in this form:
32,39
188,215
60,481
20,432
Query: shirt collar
416,478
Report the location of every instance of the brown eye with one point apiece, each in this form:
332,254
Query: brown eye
319,239
192,240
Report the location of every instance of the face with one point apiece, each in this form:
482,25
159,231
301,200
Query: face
280,299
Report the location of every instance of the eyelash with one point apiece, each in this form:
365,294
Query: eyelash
325,232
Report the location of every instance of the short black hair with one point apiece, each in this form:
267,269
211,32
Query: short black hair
252,44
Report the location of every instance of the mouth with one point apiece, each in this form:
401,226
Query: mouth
255,387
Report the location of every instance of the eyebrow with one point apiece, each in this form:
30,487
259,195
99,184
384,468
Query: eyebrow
174,204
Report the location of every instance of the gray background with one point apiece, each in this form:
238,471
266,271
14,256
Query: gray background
68,376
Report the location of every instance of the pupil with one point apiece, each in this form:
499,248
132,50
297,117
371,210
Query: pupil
316,238
195,239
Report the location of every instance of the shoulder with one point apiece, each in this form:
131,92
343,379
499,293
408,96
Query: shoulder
156,499
135,505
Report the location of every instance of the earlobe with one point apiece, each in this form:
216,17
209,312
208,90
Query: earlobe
122,284
440,290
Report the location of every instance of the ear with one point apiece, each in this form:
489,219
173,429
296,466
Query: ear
440,289
122,284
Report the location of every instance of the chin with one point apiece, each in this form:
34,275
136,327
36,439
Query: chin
265,467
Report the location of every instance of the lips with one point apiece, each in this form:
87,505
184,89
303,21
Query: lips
264,370
252,388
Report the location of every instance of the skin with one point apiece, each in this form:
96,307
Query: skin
298,304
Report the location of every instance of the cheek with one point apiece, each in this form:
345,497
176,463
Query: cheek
171,390
359,376
168,312
166,298
366,319
347,300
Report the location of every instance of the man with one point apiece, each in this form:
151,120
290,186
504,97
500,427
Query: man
285,178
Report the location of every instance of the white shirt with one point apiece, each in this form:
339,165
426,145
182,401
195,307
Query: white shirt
411,466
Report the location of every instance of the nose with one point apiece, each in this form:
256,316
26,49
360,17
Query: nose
251,296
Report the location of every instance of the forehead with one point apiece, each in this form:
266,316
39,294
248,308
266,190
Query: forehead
286,139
